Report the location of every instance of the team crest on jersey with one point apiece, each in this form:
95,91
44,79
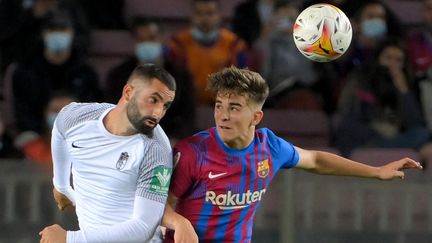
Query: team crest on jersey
263,168
121,162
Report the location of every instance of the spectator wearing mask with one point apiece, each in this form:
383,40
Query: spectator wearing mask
290,76
58,68
206,47
378,107
37,147
149,48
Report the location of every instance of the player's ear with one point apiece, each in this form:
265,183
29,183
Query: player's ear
258,115
127,91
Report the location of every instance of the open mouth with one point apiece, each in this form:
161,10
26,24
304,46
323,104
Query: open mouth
224,127
150,123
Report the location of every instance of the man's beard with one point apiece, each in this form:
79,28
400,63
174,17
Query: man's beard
137,121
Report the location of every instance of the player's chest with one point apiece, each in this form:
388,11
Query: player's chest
220,172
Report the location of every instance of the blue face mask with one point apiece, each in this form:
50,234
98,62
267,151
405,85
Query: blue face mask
58,41
50,119
205,38
374,28
148,51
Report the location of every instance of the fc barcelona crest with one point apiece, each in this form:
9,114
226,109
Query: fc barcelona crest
121,162
263,168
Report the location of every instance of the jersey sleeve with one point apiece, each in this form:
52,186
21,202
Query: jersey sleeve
155,173
283,151
184,171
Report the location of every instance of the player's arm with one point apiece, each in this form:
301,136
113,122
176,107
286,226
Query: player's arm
151,195
184,231
63,192
332,164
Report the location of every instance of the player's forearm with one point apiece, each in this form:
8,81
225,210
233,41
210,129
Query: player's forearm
331,164
171,219
140,228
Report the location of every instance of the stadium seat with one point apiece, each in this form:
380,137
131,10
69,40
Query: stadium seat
108,49
204,117
381,156
302,128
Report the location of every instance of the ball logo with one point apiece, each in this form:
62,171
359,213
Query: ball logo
263,168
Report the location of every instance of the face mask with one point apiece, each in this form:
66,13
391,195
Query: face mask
50,119
58,41
374,28
148,51
205,38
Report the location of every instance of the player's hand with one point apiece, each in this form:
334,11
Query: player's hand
185,233
61,200
53,234
394,169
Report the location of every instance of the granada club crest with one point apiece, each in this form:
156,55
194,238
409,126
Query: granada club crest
263,168
121,162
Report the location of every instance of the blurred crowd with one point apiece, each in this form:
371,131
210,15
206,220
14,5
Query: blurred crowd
376,94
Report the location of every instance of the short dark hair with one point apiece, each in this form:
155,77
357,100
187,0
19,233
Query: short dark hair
239,81
138,21
151,71
58,20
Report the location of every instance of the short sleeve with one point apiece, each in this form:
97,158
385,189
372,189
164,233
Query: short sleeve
282,151
185,169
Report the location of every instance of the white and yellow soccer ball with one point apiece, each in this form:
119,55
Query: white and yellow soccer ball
322,32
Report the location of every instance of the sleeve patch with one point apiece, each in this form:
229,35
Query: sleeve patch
160,179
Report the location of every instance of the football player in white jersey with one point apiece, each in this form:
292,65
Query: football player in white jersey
120,161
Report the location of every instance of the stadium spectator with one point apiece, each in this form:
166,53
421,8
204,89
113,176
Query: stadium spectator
58,68
292,78
149,48
378,107
206,47
250,19
21,22
37,147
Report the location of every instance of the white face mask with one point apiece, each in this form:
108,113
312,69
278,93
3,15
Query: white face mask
58,41
148,51
374,28
202,37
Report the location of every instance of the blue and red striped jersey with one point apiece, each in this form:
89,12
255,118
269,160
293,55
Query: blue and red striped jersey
220,188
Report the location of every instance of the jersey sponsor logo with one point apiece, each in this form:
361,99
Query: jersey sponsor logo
121,162
75,146
160,179
213,176
263,168
232,200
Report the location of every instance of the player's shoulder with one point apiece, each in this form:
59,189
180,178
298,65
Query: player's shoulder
76,113
161,139
196,139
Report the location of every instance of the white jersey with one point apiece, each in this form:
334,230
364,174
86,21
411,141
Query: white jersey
108,171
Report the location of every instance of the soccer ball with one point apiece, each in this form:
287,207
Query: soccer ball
322,32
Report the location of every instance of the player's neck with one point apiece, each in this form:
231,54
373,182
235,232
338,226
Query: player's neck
115,121
242,141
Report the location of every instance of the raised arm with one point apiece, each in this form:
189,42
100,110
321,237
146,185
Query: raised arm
331,164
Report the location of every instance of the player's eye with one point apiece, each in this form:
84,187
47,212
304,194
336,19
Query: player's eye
153,100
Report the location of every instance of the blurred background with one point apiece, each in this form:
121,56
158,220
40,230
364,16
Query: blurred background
372,105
